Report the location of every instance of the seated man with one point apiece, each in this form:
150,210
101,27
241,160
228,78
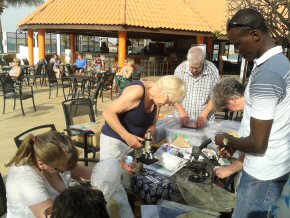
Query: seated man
81,64
16,71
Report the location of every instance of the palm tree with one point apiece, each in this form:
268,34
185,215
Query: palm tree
15,3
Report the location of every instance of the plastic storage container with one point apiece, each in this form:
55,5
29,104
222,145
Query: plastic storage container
193,136
162,123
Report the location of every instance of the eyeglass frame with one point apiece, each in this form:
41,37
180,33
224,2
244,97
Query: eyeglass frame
233,24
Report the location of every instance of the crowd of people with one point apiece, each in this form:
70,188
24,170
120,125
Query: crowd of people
41,171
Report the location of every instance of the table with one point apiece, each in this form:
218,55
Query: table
78,81
5,69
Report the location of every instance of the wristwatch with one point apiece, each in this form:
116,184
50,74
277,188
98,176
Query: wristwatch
225,141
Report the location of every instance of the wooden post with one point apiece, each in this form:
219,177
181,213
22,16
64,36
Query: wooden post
199,39
41,44
210,48
30,47
72,47
122,48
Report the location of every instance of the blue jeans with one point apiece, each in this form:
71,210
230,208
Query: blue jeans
256,197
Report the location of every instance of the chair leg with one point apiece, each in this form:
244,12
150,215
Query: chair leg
33,103
56,89
63,93
22,107
102,95
49,91
14,105
4,101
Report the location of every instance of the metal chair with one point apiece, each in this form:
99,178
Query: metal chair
25,61
108,83
96,94
37,73
73,109
47,127
11,89
53,81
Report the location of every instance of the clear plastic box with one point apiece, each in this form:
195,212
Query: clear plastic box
162,123
193,136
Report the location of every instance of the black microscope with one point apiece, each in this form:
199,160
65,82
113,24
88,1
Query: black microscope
202,170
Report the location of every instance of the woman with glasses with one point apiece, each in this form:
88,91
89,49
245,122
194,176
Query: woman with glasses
135,112
16,71
41,169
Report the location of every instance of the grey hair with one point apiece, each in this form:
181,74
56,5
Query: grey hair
173,87
225,90
195,55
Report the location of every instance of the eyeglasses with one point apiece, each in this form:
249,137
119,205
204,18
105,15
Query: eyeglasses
170,103
232,24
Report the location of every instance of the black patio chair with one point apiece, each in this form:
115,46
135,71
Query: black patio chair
137,73
54,82
96,94
25,61
47,127
36,73
108,83
69,69
13,90
80,107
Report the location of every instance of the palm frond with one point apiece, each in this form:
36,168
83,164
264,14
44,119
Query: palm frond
18,3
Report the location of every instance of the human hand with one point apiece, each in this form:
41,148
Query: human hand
223,172
219,138
184,119
129,167
134,141
201,121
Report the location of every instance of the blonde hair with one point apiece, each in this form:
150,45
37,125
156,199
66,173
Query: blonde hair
173,87
51,147
130,62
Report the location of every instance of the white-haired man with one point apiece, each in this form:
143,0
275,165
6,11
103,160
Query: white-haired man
200,76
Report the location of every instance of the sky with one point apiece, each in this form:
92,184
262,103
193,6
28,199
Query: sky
12,16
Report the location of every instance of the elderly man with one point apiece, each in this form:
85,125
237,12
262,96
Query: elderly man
265,128
199,76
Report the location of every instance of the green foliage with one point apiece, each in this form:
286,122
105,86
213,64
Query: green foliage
18,3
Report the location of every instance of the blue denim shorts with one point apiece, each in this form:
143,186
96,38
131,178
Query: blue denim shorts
256,197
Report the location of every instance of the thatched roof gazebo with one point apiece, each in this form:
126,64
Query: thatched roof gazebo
155,19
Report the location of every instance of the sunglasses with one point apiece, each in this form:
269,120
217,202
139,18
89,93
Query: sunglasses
233,24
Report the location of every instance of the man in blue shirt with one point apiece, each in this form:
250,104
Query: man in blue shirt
81,64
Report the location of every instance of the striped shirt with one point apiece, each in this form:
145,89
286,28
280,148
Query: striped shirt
198,89
267,97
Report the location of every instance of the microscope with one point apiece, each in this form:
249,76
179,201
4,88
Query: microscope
147,157
202,169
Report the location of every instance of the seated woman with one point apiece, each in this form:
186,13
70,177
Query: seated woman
58,71
16,71
81,64
40,170
80,202
98,62
125,75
